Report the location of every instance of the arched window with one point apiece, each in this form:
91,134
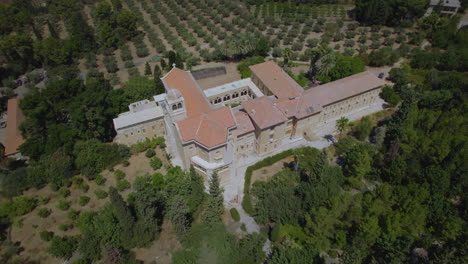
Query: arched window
217,100
235,95
226,98
244,92
174,107
179,106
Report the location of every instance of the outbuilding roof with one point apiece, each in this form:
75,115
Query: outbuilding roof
13,134
276,79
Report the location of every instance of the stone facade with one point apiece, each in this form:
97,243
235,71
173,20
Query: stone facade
210,135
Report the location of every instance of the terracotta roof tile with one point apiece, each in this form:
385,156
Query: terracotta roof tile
276,79
13,134
209,129
343,88
195,101
244,124
264,112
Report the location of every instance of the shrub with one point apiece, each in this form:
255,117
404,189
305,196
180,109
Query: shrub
63,205
235,214
156,163
73,214
43,212
84,187
44,200
247,205
243,66
100,180
100,194
363,129
243,227
119,175
150,153
64,192
122,185
83,200
65,227
46,235
129,64
275,233
125,163
17,207
333,254
62,247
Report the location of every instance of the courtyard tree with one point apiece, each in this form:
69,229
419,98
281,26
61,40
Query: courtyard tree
214,207
342,124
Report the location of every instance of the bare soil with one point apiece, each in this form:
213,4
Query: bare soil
26,229
162,249
265,173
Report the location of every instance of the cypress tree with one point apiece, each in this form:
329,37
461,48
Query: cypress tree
159,86
214,207
163,64
124,216
147,69
53,32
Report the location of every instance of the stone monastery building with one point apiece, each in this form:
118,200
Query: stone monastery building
272,109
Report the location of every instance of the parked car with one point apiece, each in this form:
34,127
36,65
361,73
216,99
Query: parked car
381,75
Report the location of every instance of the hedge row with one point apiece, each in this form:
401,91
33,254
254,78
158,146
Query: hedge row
247,201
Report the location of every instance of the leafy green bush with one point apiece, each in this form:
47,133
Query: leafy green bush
65,227
150,153
244,64
73,214
156,163
46,235
62,247
247,205
64,192
17,207
122,185
119,175
43,212
100,194
333,254
276,233
83,200
235,214
63,205
99,180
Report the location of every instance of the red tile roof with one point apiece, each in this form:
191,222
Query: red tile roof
13,134
244,124
344,88
195,101
276,79
209,129
264,112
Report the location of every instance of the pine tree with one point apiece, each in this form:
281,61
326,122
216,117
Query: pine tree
124,216
321,162
178,213
197,190
214,207
147,69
